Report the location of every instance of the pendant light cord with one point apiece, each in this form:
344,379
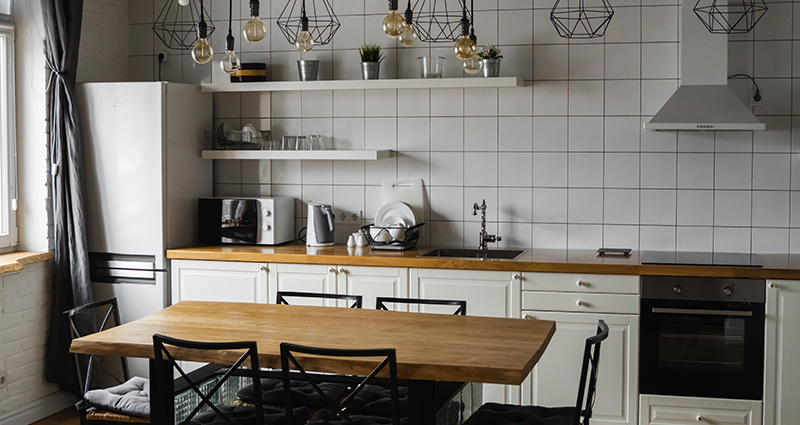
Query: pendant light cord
230,18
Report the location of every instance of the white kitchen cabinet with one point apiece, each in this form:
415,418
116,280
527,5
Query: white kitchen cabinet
487,293
373,282
668,410
302,278
782,363
218,281
554,380
576,302
369,282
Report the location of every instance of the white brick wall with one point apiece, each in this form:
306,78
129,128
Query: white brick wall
24,321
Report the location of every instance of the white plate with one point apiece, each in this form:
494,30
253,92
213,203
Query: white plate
391,211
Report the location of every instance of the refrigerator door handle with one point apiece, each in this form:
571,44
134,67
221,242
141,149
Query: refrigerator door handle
106,267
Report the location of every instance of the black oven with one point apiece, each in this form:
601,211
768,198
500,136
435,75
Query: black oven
702,337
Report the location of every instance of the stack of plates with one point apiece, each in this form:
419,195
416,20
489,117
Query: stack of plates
391,220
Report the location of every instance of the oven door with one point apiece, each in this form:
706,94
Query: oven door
702,349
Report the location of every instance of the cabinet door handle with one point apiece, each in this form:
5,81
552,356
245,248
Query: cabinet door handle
342,270
264,269
773,285
580,283
699,418
517,277
332,270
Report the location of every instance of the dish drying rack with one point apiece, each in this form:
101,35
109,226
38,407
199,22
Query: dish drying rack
408,241
221,139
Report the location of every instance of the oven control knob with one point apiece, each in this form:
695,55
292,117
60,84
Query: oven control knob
677,289
727,291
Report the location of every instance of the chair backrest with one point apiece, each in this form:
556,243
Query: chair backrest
282,295
86,320
166,364
384,357
462,305
588,382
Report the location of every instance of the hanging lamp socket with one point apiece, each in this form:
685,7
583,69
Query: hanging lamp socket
255,8
392,4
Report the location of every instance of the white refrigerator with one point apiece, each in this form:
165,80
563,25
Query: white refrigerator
144,173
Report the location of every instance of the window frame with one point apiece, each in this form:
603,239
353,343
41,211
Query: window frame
8,170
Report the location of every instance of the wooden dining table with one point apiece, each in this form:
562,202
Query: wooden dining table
430,347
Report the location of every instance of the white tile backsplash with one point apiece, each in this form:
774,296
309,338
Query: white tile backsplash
562,162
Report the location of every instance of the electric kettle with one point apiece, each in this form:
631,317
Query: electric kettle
320,224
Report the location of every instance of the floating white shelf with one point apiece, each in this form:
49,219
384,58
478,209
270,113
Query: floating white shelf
410,83
357,155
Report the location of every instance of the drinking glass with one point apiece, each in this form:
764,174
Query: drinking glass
303,144
431,66
289,143
317,142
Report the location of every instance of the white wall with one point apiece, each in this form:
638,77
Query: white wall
562,163
24,302
104,41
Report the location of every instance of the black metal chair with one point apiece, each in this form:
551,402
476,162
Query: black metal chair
380,303
494,413
337,409
282,295
211,408
123,403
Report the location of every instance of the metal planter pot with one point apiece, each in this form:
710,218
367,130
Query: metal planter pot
490,68
370,70
308,69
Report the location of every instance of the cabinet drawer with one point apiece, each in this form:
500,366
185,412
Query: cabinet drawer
684,410
580,302
574,282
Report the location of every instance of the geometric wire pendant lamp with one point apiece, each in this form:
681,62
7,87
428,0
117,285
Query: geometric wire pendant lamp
322,21
581,18
438,21
734,17
176,25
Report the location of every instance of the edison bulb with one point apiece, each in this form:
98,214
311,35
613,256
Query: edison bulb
304,42
230,62
254,30
202,51
473,65
409,36
465,48
393,24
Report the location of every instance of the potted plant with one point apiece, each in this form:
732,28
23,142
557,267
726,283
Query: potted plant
490,60
371,57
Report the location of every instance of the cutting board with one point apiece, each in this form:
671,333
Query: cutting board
408,191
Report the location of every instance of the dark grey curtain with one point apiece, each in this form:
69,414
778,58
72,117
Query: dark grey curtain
71,284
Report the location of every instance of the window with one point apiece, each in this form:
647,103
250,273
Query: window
8,141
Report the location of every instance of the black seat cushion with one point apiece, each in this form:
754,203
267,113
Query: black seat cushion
129,398
303,393
509,414
247,415
319,418
377,400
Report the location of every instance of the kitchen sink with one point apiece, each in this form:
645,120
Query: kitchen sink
494,254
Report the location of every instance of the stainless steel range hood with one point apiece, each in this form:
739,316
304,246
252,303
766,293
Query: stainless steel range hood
703,101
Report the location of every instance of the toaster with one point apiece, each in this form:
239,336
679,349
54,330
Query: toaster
250,221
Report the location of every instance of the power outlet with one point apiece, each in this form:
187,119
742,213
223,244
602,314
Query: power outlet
753,101
3,379
349,217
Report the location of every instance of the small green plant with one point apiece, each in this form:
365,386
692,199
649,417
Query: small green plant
370,53
490,52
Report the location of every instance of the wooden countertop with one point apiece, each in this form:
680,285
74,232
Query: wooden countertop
429,346
776,266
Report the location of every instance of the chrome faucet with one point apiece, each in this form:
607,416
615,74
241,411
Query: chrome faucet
484,237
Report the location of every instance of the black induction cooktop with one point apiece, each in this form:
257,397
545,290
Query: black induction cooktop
702,259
